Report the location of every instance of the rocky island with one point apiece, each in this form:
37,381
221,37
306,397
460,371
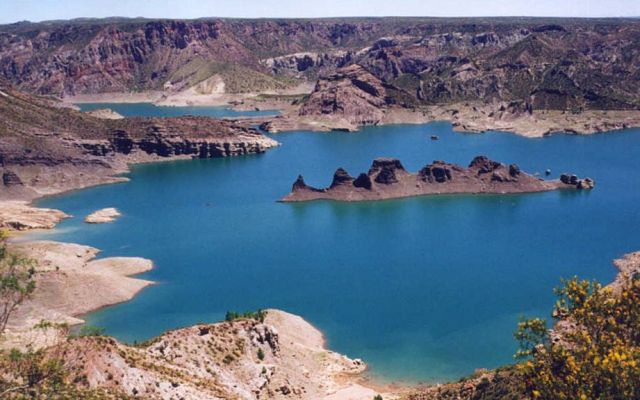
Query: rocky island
388,179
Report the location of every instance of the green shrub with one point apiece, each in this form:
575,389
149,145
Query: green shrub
16,281
259,315
89,330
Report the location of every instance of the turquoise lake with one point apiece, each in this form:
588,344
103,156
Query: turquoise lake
151,110
422,289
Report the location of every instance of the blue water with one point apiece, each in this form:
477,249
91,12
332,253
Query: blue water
423,289
151,110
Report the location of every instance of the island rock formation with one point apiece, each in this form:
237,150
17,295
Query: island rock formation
388,179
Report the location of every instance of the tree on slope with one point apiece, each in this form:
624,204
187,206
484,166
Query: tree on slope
16,281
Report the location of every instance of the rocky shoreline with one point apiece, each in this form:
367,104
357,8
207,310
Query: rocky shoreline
278,357
70,282
354,97
387,179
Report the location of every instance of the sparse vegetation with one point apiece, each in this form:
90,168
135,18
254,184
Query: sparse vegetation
237,78
40,375
90,331
260,354
16,281
259,315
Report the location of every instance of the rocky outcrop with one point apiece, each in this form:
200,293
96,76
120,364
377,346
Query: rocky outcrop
386,170
10,178
279,357
388,179
308,63
586,183
363,181
340,177
352,94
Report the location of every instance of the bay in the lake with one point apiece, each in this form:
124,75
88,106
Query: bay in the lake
422,289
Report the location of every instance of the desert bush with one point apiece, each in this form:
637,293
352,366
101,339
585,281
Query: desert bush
16,281
595,352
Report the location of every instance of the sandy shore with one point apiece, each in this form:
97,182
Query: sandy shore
190,97
70,282
105,113
21,216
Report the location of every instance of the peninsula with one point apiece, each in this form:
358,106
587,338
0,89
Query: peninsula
387,179
46,148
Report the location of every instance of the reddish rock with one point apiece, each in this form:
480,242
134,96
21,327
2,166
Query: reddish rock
388,179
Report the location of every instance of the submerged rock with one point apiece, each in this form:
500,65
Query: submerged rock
103,216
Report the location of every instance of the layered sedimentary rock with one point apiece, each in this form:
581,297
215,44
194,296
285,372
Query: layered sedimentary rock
345,100
352,94
387,179
563,64
308,63
45,148
529,75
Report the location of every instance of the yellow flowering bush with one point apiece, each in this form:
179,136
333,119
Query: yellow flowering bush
595,351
